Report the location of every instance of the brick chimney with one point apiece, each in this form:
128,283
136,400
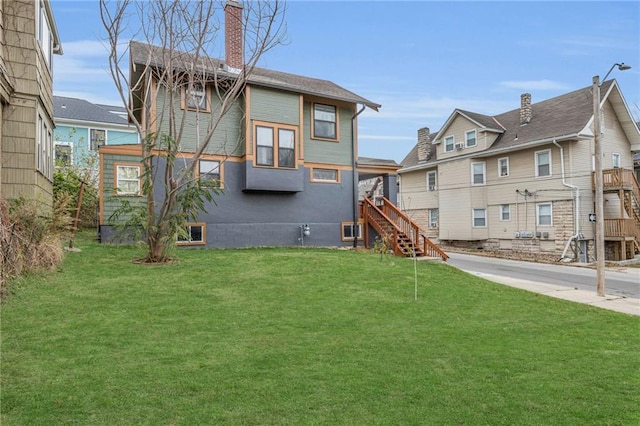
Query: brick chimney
424,144
525,108
233,35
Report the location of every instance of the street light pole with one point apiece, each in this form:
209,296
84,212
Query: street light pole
599,179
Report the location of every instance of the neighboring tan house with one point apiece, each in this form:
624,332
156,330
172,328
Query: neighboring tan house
522,180
28,40
82,127
285,157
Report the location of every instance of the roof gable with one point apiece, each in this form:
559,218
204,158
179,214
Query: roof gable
562,117
143,54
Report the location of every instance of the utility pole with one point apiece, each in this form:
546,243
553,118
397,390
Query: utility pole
599,189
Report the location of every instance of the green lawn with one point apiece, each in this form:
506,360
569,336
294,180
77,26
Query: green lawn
305,336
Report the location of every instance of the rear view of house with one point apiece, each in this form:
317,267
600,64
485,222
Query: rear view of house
522,180
284,156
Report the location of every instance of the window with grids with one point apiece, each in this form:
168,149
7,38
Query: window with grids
615,160
63,154
275,146
325,121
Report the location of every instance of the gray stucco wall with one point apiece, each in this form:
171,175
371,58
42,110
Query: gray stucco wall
271,218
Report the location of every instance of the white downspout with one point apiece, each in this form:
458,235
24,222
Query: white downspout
576,201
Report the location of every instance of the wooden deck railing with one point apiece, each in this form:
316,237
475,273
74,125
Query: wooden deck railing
621,228
402,224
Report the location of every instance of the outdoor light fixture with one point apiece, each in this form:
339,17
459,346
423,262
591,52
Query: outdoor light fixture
599,183
305,231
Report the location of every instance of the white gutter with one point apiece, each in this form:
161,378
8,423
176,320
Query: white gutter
576,202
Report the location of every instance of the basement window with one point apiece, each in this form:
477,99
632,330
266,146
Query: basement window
349,231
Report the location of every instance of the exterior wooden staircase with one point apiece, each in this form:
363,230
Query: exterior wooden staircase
402,234
626,228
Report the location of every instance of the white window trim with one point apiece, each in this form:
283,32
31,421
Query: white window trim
538,214
538,166
91,129
615,155
473,218
499,169
484,173
466,138
430,223
433,187
500,210
453,143
190,242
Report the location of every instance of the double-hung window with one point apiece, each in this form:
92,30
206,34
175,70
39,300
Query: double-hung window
433,218
503,166
325,121
470,138
128,179
449,143
544,214
543,163
479,218
432,184
478,173
275,146
505,212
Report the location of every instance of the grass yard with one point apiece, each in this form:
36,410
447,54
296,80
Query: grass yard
305,336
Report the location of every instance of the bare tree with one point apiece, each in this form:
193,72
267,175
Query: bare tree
176,63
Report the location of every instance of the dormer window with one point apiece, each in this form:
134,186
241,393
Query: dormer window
470,138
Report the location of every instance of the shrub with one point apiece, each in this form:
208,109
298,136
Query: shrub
30,239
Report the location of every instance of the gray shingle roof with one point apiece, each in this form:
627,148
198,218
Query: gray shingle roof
368,161
142,54
564,115
81,110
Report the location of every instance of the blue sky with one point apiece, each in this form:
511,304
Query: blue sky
419,59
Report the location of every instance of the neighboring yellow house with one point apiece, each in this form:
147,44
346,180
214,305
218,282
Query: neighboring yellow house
28,40
522,180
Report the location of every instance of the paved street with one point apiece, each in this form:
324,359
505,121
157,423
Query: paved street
576,283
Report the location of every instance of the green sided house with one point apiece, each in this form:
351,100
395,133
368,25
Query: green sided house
285,157
522,181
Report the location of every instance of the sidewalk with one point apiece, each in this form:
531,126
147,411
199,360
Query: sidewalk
625,305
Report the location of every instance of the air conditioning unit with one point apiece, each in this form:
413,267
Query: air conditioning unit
459,145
